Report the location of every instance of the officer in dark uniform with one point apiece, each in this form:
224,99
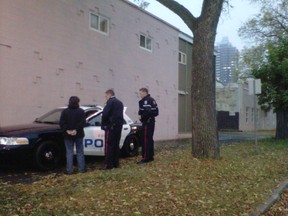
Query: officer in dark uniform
112,122
148,110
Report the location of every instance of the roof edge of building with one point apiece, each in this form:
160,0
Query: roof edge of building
186,37
181,34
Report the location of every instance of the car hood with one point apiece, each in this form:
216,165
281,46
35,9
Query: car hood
17,130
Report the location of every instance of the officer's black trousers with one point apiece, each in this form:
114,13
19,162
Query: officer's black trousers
147,141
112,151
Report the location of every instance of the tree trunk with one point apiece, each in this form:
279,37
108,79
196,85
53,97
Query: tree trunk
281,124
204,122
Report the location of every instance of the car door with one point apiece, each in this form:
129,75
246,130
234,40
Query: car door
125,131
94,140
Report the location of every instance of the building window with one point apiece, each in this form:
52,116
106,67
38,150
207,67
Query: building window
99,23
182,58
145,42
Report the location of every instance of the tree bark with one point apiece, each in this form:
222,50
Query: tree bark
204,121
204,130
282,124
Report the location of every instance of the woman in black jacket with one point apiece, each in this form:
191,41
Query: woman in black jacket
72,123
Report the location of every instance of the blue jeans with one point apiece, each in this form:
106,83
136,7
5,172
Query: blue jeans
69,144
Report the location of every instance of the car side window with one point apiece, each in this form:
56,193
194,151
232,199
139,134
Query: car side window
96,120
89,113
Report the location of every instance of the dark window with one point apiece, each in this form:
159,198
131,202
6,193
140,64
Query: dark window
96,120
146,42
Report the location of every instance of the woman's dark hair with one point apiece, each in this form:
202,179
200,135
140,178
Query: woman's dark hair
74,101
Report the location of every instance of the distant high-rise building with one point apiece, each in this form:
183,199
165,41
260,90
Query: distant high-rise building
227,57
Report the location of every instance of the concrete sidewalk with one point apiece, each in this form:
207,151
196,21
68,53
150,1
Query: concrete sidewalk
271,200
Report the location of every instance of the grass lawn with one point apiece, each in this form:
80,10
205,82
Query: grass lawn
174,184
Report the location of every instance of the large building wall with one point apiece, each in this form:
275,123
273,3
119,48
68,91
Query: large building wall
185,82
235,98
48,52
265,120
227,99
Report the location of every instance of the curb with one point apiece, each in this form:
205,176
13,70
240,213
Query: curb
264,207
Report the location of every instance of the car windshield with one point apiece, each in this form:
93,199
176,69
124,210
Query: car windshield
52,117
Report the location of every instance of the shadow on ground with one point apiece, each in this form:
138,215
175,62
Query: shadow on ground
19,171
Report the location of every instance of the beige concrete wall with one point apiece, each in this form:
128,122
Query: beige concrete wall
235,98
265,120
226,99
48,53
246,101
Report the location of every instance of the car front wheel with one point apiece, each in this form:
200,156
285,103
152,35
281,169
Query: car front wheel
47,156
131,146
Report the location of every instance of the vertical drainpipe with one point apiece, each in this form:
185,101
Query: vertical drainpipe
214,81
7,46
217,153
186,94
0,94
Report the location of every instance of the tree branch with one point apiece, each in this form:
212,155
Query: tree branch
181,11
213,9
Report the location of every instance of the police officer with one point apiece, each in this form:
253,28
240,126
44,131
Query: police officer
112,122
148,110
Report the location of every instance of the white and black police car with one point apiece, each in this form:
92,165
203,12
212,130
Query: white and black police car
43,139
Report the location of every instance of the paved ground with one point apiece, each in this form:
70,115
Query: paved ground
280,208
230,137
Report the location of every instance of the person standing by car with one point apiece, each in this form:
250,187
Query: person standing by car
148,110
72,122
112,122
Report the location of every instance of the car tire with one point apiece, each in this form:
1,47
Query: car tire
131,146
47,156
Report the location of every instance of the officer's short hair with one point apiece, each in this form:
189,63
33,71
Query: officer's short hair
144,90
74,101
110,91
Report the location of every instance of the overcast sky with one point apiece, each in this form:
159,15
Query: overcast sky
228,23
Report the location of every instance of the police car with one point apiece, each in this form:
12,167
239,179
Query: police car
43,139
